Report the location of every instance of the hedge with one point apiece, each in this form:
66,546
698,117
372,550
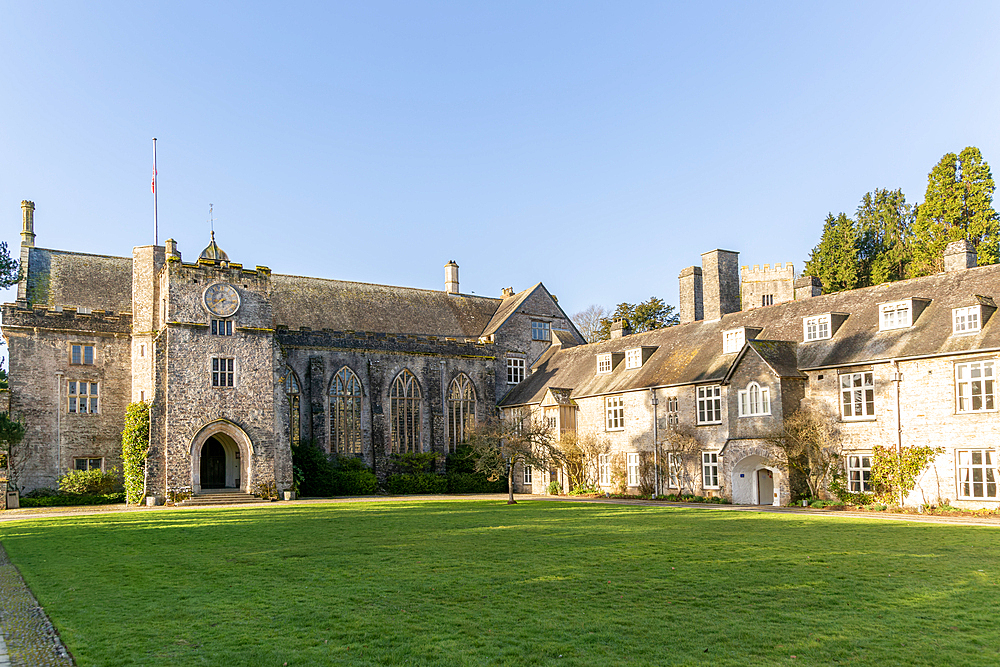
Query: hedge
424,482
68,500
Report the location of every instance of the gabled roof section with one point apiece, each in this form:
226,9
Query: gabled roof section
779,355
341,305
512,304
558,396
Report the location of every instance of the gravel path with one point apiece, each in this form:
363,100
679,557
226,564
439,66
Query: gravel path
28,636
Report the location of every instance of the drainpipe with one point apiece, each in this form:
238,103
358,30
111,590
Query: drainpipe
59,382
656,444
897,378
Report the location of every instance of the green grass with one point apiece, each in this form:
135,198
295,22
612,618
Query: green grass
538,583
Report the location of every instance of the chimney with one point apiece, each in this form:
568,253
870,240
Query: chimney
28,223
691,295
807,287
508,292
721,283
171,248
451,277
620,328
959,255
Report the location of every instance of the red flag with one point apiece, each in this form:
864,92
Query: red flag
152,185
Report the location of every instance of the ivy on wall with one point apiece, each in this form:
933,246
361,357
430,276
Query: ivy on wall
895,472
135,449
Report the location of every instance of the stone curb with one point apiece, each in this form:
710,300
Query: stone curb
28,637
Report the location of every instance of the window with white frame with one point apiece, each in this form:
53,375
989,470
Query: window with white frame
83,397
527,474
222,372
615,413
633,358
673,471
672,417
767,300
816,327
540,330
965,320
222,327
81,354
977,473
632,465
710,404
859,473
857,395
975,386
604,363
710,470
755,400
604,469
88,464
515,370
551,417
732,341
895,315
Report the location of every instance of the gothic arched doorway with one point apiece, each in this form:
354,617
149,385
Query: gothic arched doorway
221,456
213,464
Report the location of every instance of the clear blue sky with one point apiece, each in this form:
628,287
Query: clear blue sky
599,148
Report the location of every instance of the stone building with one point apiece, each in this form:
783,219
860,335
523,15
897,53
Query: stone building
900,364
238,363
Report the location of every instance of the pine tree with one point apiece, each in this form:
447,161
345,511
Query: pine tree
836,260
958,205
884,222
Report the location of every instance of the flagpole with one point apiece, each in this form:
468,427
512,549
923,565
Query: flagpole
156,237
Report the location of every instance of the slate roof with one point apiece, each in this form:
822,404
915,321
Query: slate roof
507,308
61,278
342,305
692,353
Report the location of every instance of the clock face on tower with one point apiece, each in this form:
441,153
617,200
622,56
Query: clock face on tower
222,299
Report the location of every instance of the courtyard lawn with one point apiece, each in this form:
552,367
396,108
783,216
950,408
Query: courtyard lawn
538,583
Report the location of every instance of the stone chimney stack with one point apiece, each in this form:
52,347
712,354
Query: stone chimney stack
691,309
28,223
508,292
620,328
451,277
807,287
171,248
721,283
959,255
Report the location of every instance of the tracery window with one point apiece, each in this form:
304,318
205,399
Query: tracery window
345,413
461,410
404,413
755,400
294,410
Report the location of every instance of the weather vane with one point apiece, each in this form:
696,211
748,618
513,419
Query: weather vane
211,219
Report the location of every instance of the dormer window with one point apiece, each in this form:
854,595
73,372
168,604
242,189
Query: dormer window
604,363
540,330
895,315
816,328
966,320
633,358
733,340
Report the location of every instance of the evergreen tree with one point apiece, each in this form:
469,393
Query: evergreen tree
958,205
884,222
836,260
646,316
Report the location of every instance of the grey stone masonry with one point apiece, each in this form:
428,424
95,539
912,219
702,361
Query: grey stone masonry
691,295
721,277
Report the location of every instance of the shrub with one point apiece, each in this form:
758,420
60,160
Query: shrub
553,488
72,500
41,493
317,475
465,482
415,463
583,489
135,449
354,482
93,482
424,482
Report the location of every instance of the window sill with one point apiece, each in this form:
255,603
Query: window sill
614,430
709,423
851,420
763,414
974,412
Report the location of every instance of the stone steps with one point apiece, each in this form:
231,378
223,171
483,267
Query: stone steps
222,498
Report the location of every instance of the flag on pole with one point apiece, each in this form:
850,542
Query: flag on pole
152,186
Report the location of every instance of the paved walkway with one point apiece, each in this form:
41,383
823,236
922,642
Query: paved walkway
31,640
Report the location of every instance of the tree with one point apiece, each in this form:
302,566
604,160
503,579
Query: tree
646,316
809,443
580,458
682,454
884,226
500,443
958,205
835,260
13,454
135,449
588,321
10,269
895,471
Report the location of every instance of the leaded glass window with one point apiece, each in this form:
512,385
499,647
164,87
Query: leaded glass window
461,410
404,413
345,413
294,410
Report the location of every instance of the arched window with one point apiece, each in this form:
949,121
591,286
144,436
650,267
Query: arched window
345,413
754,401
461,409
404,413
294,414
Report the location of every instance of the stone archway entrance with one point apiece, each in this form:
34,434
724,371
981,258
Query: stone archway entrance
221,454
754,482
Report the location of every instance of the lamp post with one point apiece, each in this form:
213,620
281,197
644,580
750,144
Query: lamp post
654,401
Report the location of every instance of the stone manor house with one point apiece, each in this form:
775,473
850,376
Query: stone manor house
240,363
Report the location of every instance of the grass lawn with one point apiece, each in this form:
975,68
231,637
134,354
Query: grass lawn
478,582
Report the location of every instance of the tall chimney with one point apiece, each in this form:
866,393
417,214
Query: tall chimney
721,276
807,287
28,223
451,277
620,327
959,255
691,295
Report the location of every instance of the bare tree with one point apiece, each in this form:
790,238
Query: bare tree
682,458
810,443
500,443
588,321
580,457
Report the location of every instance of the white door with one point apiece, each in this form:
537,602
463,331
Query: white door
765,487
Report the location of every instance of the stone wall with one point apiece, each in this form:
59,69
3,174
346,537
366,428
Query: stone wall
756,282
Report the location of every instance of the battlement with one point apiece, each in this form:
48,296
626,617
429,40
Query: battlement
778,272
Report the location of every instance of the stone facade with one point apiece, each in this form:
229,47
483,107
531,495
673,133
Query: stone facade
766,286
154,328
